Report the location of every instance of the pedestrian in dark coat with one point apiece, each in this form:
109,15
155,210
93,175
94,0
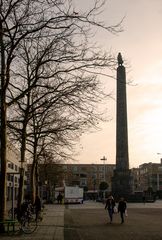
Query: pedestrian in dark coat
59,198
110,204
122,206
37,205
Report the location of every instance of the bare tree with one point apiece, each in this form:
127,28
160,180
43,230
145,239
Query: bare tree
51,24
70,97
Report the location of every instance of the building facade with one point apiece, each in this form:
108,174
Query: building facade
148,179
13,172
88,176
151,176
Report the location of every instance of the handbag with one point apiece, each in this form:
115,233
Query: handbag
126,213
115,209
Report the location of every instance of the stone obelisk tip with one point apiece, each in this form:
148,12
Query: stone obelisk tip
120,60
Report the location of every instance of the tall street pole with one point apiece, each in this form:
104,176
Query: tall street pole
104,159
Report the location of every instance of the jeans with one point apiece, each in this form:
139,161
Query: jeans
110,211
122,216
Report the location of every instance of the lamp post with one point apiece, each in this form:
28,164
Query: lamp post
104,159
94,187
159,171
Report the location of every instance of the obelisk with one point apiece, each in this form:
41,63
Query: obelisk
122,179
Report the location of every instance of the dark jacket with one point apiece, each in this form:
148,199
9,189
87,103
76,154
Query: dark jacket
37,204
110,204
122,206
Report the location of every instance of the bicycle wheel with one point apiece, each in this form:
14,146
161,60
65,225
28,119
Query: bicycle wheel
29,224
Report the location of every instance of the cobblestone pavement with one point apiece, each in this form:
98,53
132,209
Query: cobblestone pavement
93,204
51,227
90,222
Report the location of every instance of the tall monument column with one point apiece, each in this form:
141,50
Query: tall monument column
122,179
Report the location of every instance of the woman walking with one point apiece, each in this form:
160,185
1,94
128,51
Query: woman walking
110,204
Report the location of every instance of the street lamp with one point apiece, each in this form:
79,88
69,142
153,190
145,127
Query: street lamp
104,159
159,171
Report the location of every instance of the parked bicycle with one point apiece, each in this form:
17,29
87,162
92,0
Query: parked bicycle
27,221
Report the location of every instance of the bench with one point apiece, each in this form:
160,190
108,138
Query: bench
10,224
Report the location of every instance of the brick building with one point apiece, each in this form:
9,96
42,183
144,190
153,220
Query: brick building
88,176
151,176
148,179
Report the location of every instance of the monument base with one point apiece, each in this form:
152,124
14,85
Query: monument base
122,183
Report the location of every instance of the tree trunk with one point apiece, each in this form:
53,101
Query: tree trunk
33,189
22,170
34,171
3,132
3,163
37,179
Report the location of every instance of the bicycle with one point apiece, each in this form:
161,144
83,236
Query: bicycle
27,221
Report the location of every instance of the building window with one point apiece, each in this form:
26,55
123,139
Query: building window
8,177
101,176
83,169
64,167
75,183
74,168
83,182
76,174
25,182
94,169
94,176
11,165
83,175
101,168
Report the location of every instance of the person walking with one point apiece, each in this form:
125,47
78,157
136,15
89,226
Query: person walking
110,204
37,205
122,206
144,198
59,198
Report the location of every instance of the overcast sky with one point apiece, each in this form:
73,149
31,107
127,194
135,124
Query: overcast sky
141,45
